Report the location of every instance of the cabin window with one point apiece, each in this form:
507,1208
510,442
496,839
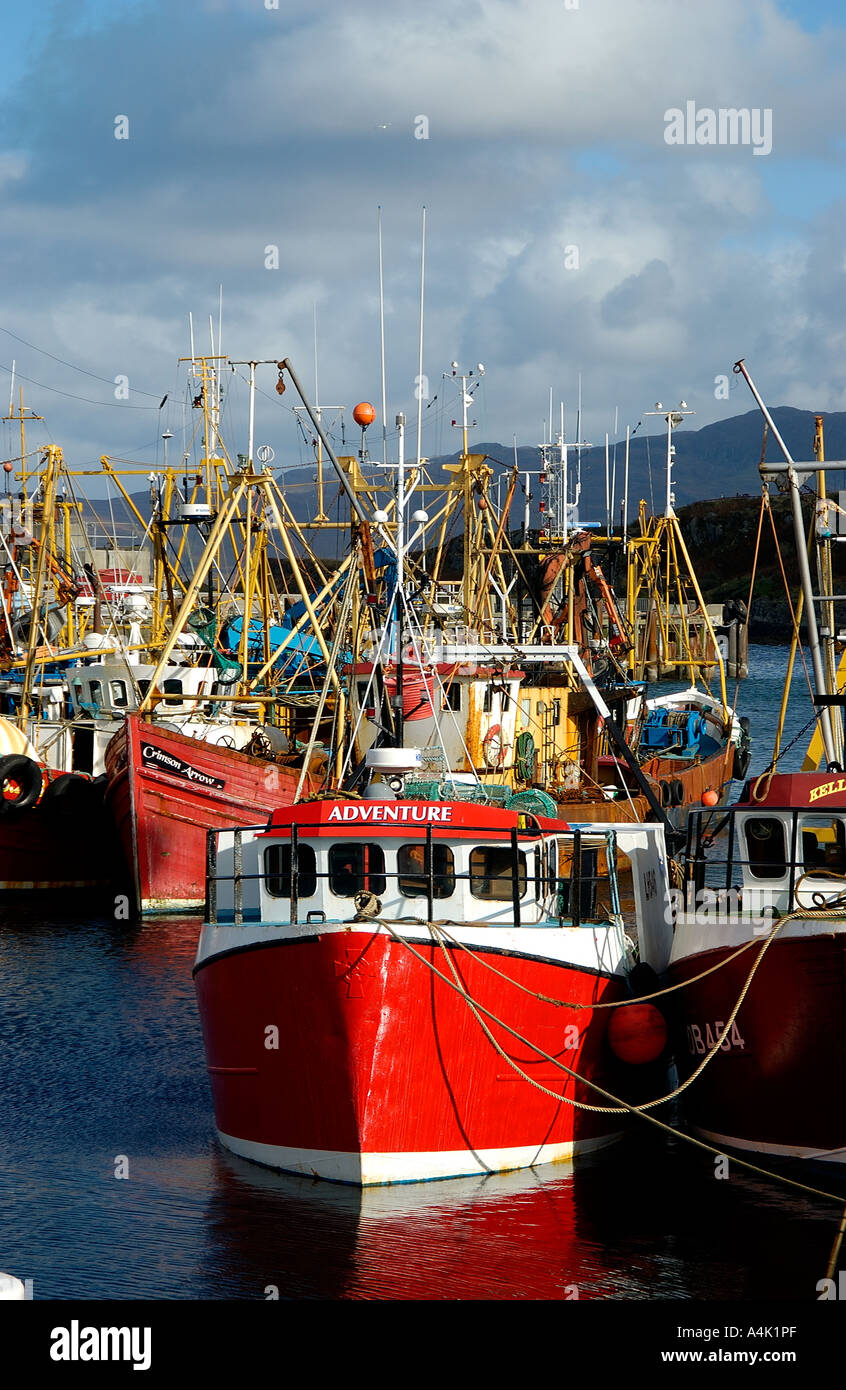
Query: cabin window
356,868
277,871
96,691
172,690
491,873
361,690
823,844
488,701
556,711
452,696
412,878
118,692
765,847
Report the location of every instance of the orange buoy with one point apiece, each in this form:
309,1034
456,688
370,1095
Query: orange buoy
710,797
364,414
7,467
637,1033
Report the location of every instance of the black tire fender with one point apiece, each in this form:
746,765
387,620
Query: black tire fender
17,770
740,765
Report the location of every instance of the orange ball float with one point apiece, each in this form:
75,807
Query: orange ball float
8,467
364,414
710,798
637,1033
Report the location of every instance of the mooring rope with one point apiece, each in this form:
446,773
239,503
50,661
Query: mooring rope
620,1106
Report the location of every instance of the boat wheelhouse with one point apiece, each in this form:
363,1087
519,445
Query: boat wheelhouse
395,989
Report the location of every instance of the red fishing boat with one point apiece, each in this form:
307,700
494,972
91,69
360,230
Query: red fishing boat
379,982
768,1022
780,855
166,790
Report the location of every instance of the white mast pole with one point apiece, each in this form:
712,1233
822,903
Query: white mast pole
563,478
607,496
626,487
614,468
382,346
252,413
420,344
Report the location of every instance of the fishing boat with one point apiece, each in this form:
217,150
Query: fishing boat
397,989
214,736
400,981
759,942
763,905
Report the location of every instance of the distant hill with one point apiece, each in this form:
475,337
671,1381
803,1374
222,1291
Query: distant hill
718,461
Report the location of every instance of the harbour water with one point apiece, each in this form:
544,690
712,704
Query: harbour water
113,1185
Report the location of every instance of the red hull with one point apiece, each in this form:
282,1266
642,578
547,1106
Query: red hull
382,1073
163,814
774,1087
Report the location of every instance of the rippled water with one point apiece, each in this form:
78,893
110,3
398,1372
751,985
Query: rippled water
101,1062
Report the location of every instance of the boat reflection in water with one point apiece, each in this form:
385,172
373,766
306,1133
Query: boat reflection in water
645,1220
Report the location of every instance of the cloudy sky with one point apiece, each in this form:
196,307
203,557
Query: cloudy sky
565,235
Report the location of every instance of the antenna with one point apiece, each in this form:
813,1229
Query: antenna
420,353
219,337
607,493
12,390
614,468
382,346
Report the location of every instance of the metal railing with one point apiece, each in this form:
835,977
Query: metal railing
702,835
574,896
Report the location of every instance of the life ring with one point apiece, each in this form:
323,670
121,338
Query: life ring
21,782
676,792
494,751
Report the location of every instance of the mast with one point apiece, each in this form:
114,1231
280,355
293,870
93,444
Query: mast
804,569
399,590
382,347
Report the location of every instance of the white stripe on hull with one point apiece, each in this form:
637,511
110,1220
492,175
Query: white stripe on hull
371,1169
162,905
777,1150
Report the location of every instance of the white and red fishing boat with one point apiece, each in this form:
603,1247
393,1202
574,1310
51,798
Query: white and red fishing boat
378,977
781,851
760,936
